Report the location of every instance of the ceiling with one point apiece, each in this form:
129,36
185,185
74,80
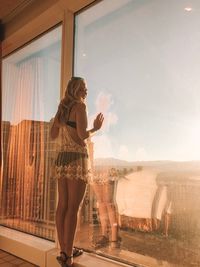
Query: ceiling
9,8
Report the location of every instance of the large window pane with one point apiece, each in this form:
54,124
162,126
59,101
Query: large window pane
141,61
30,95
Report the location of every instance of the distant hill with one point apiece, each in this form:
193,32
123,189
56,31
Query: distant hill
162,164
111,162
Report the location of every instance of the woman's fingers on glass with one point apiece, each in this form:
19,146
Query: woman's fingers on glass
100,117
98,121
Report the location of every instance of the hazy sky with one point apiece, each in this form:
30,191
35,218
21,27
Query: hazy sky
141,62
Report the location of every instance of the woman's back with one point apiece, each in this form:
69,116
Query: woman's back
73,128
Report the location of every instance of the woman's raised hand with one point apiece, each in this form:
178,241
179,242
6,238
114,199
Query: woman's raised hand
98,121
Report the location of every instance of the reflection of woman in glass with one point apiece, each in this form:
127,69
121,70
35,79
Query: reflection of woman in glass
103,186
70,124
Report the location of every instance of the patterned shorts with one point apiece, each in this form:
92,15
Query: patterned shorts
72,165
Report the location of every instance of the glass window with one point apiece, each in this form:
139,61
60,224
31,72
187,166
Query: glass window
30,95
141,62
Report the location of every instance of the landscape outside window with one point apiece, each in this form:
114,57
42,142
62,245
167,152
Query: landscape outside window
141,63
30,95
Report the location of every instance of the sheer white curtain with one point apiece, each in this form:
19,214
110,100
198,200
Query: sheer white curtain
23,91
24,156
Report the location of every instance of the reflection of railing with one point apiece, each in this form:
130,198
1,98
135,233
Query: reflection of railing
28,188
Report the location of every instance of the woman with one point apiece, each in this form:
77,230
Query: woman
103,184
70,126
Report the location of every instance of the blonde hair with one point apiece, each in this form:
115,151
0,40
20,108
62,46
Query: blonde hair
70,98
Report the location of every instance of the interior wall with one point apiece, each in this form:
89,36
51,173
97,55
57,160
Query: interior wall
34,9
1,38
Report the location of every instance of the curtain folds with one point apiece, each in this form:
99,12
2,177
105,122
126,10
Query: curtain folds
25,141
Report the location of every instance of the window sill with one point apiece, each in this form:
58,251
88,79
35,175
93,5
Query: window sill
25,246
43,252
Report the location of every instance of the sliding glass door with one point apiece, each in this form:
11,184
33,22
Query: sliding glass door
30,95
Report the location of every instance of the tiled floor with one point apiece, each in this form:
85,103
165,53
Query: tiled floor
8,260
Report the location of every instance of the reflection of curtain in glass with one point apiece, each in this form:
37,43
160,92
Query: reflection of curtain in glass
24,169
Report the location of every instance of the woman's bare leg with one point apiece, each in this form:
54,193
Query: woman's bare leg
61,210
112,212
166,224
76,190
102,206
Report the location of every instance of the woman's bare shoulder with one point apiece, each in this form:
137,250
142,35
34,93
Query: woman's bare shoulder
80,106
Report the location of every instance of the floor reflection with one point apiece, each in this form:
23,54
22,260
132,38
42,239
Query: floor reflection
155,246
